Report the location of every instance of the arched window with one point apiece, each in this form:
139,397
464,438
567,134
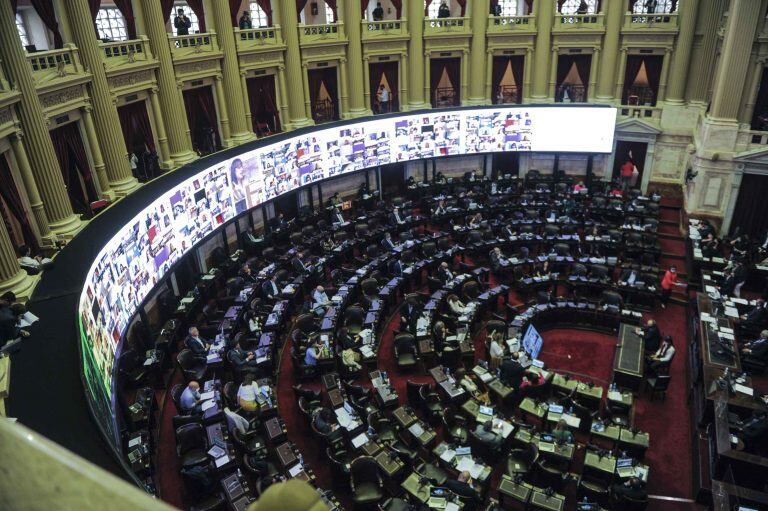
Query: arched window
572,7
654,6
508,7
21,28
258,16
329,16
189,13
110,24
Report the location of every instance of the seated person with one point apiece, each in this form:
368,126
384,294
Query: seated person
396,218
347,340
457,306
629,276
440,209
444,273
475,221
334,200
561,433
328,244
253,323
486,435
325,421
190,401
236,422
542,270
350,358
387,243
439,335
579,186
270,288
757,349
468,382
312,354
246,394
28,261
530,380
462,486
496,258
410,183
631,489
247,274
241,359
320,301
299,265
337,218
196,344
663,356
756,318
440,178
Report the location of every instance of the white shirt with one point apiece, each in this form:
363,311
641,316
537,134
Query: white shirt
236,421
496,350
457,307
667,355
383,95
29,262
247,392
320,298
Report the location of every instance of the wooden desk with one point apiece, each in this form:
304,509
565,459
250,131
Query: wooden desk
629,361
611,432
285,455
606,464
370,448
404,417
563,383
414,488
563,452
389,463
499,389
624,399
593,394
336,398
509,488
275,430
540,500
530,407
636,443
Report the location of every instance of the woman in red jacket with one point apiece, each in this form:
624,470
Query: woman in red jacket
669,280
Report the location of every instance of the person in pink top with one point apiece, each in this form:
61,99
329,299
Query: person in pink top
669,280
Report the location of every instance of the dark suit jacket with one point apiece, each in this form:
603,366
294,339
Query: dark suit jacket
298,265
444,275
387,244
495,260
755,318
652,338
760,350
239,359
198,348
266,288
511,373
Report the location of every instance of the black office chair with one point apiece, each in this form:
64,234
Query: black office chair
365,481
191,445
470,290
658,385
339,460
562,249
405,351
455,427
413,392
428,249
384,431
215,502
521,461
192,367
612,300
593,490
430,404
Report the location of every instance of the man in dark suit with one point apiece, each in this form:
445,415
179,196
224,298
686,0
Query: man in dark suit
444,273
409,314
387,243
196,344
298,264
277,222
395,268
247,274
756,318
511,372
395,218
461,487
629,276
631,489
757,349
496,258
337,218
651,336
270,289
182,22
241,359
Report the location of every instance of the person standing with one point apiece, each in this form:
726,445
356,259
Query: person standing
378,12
669,280
627,168
181,22
444,11
383,98
245,21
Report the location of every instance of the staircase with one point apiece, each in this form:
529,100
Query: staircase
672,240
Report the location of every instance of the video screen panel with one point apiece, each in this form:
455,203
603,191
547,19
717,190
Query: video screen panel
142,251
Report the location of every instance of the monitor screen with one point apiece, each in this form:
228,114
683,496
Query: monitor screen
532,342
142,251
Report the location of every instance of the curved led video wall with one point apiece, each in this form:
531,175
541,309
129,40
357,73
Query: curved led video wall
141,252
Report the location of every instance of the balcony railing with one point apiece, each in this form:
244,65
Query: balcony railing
502,24
256,38
184,45
577,21
51,64
661,21
321,33
751,139
507,94
120,53
571,94
445,97
446,26
384,29
641,112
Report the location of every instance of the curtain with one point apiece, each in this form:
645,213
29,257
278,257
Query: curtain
761,102
199,10
375,75
398,4
137,131
634,63
9,193
436,67
44,9
463,5
751,213
517,72
263,100
94,6
497,74
631,6
167,8
653,68
583,63
234,10
266,6
14,5
529,5
560,4
364,7
564,64
427,3
300,4
317,78
201,115
452,68
379,71
75,169
126,9
332,5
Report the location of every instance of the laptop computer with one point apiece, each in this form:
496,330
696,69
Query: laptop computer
625,467
547,443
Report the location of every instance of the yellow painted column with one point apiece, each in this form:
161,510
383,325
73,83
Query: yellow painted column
489,93
754,87
366,83
478,10
681,59
545,12
246,100
614,19
30,186
593,67
98,160
403,81
426,78
353,26
664,75
299,113
305,89
704,56
464,78
553,72
12,277
282,90
620,78
417,98
240,130
527,74
42,156
344,89
734,59
105,119
221,102
169,91
164,153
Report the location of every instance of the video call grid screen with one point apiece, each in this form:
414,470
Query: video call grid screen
142,251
